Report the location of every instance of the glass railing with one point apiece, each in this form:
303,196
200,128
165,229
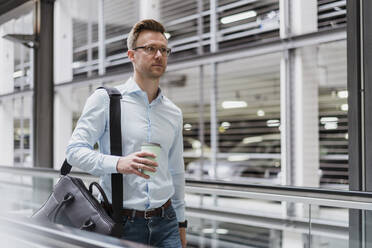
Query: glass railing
224,214
241,215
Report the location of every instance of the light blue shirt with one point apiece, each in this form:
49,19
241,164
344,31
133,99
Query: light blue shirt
159,122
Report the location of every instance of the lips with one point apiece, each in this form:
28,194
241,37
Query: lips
157,65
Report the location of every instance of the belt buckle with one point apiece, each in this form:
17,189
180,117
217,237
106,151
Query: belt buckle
145,215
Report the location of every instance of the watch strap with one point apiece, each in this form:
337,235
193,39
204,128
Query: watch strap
182,224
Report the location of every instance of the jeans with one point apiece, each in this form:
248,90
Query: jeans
157,231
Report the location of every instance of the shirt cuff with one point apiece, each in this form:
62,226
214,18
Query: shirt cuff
109,164
180,215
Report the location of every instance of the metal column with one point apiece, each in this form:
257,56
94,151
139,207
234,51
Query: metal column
43,98
356,233
213,100
101,38
287,104
200,26
213,26
367,88
89,41
359,53
43,86
213,104
287,118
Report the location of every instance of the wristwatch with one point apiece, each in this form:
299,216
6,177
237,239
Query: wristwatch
182,224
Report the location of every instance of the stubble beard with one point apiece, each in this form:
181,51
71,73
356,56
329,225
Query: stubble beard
155,74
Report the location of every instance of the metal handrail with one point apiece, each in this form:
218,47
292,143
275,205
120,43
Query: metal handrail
28,231
326,197
307,195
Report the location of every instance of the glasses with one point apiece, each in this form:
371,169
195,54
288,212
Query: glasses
152,50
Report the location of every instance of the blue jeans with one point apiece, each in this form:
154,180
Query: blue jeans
156,231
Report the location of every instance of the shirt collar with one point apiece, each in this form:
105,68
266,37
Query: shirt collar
132,87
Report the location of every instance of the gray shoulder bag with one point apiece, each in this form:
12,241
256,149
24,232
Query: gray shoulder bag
72,204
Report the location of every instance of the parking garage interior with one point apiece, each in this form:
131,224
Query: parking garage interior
274,94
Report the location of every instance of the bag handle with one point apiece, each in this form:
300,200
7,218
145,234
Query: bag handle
88,225
106,203
69,197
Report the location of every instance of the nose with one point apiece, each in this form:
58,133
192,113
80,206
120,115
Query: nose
158,53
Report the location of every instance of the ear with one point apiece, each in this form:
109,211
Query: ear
130,54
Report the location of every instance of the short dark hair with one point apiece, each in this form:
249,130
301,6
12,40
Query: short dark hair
147,24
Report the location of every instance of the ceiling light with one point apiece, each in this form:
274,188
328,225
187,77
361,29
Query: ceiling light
238,17
222,231
187,127
260,112
325,120
167,35
345,107
196,144
330,125
254,139
273,123
225,125
234,104
346,136
18,74
218,231
238,158
342,94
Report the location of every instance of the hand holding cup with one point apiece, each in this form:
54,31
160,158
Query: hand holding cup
137,163
153,148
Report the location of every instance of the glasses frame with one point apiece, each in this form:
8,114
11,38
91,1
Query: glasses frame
167,51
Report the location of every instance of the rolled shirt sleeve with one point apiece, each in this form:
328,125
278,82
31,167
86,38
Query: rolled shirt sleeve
91,128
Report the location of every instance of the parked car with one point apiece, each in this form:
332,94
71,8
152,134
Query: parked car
245,162
257,159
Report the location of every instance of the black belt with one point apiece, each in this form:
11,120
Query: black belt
147,213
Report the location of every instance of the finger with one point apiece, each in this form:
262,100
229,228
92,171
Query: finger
138,173
139,166
145,161
148,168
146,154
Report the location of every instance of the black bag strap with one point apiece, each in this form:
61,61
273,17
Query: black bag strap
115,148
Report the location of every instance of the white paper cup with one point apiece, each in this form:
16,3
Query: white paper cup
153,148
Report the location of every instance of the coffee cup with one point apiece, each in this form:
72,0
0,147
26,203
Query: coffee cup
153,148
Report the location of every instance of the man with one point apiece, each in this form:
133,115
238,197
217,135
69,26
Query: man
147,117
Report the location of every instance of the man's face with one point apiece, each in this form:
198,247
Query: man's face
149,65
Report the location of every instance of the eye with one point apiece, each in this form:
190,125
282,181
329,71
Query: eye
150,49
163,50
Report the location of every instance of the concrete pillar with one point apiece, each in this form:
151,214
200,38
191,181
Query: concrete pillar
62,73
149,9
306,135
299,109
292,239
299,73
304,16
62,125
6,106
